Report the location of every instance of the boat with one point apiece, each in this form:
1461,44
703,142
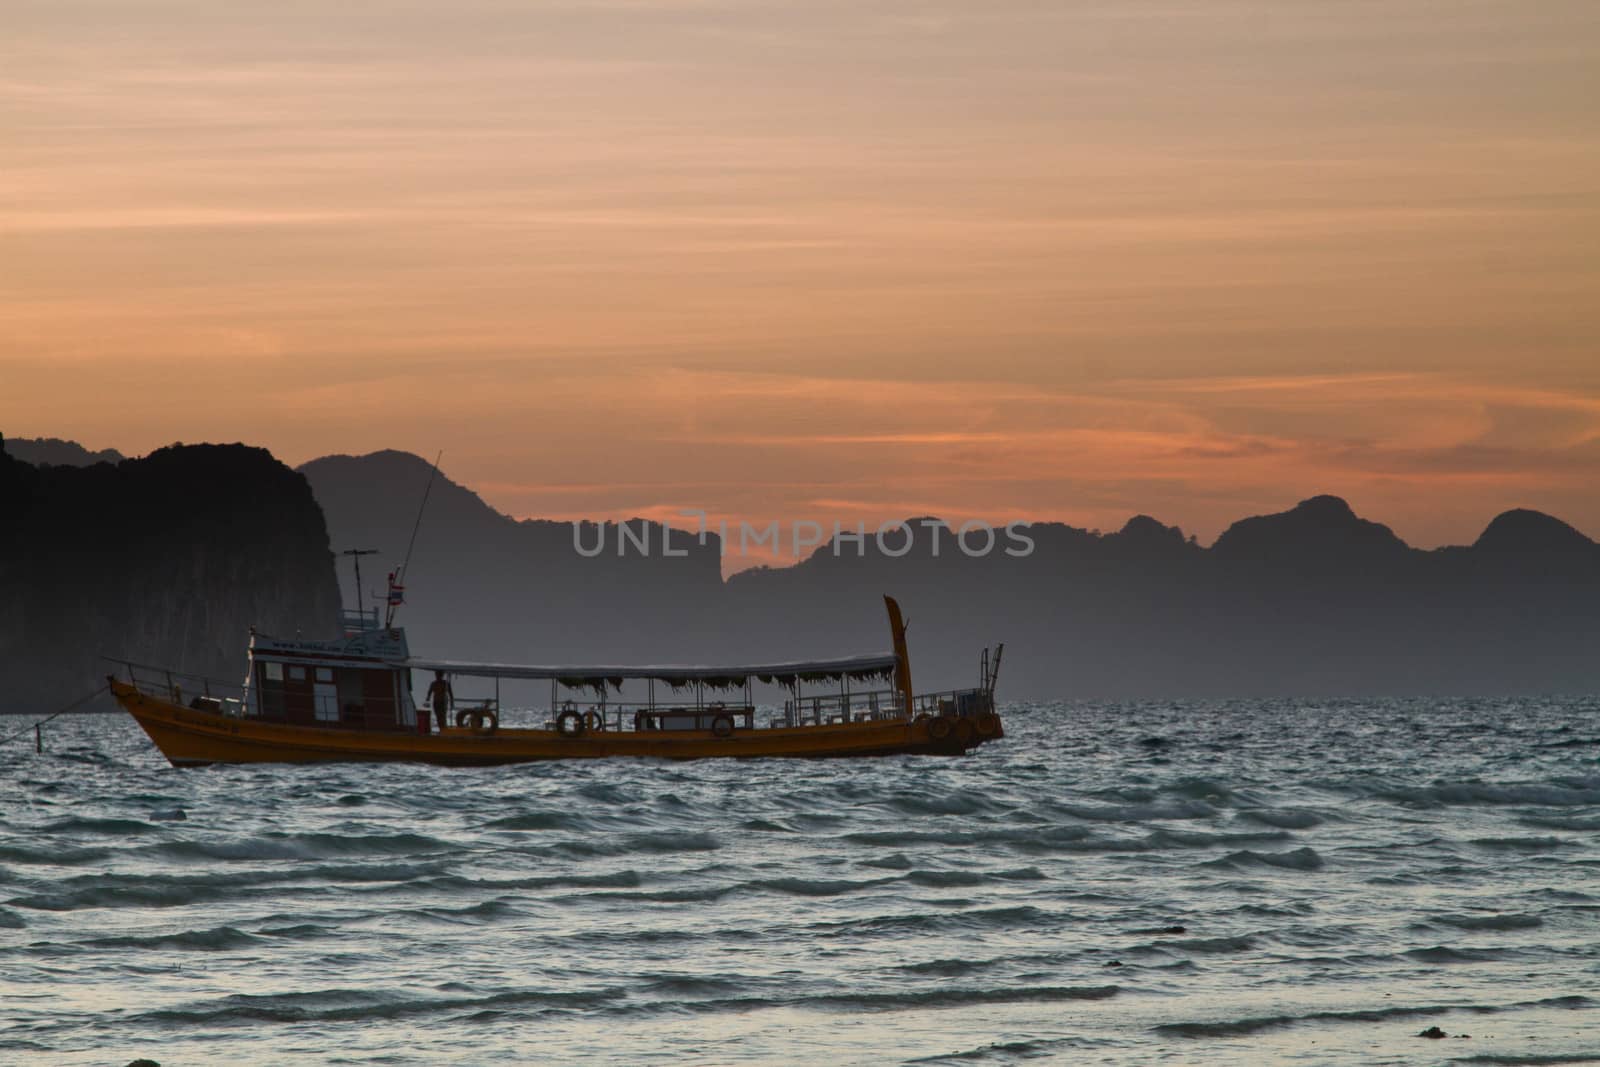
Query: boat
351,699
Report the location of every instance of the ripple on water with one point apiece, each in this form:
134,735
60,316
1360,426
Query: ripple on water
1220,883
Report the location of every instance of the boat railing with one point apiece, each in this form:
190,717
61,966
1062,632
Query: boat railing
823,708
641,716
881,704
633,716
179,687
354,623
958,703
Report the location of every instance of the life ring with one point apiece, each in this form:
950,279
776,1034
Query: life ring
988,724
722,726
641,721
569,723
485,721
922,719
939,728
593,720
964,732
463,715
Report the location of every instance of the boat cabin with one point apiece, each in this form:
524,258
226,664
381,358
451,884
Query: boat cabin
354,683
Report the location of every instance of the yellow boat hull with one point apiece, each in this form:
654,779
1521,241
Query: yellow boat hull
193,737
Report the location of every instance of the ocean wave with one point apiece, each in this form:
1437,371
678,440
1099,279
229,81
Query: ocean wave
664,842
605,794
53,857
853,1002
817,887
1287,818
1490,922
703,986
1245,1027
486,909
1022,916
279,846
1549,795
950,968
1299,859
354,1005
541,820
1256,1024
897,861
1012,1051
300,932
1038,839
455,883
170,891
1173,838
957,879
1530,1059
687,895
108,827
955,802
1211,945
955,997
1152,812
1458,954
217,938
1521,844
1577,823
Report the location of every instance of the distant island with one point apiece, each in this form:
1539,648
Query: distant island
1314,601
114,557
54,452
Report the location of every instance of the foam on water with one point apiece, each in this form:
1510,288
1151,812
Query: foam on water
1119,884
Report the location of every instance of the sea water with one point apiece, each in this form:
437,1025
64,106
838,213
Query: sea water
1141,883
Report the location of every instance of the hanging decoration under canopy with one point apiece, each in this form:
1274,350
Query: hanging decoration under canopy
857,669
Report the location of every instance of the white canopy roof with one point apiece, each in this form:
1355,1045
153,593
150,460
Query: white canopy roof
858,667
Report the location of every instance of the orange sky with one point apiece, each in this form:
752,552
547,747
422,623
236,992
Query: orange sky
832,260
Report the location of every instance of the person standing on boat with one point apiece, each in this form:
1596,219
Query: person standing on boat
440,697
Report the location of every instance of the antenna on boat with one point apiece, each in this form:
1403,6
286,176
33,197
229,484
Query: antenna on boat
397,580
355,555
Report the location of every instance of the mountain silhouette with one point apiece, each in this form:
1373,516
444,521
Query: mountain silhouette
166,560
1314,601
1529,533
1311,601
54,452
483,585
1319,531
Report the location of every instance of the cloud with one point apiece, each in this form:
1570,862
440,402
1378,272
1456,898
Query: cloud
1067,260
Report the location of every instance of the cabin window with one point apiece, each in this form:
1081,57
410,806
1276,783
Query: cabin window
297,674
325,697
324,674
271,697
352,698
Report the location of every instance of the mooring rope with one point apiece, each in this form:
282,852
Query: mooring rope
81,700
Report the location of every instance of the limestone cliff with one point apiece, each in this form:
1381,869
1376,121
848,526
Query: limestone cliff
168,559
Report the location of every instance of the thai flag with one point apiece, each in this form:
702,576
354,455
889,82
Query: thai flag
397,593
